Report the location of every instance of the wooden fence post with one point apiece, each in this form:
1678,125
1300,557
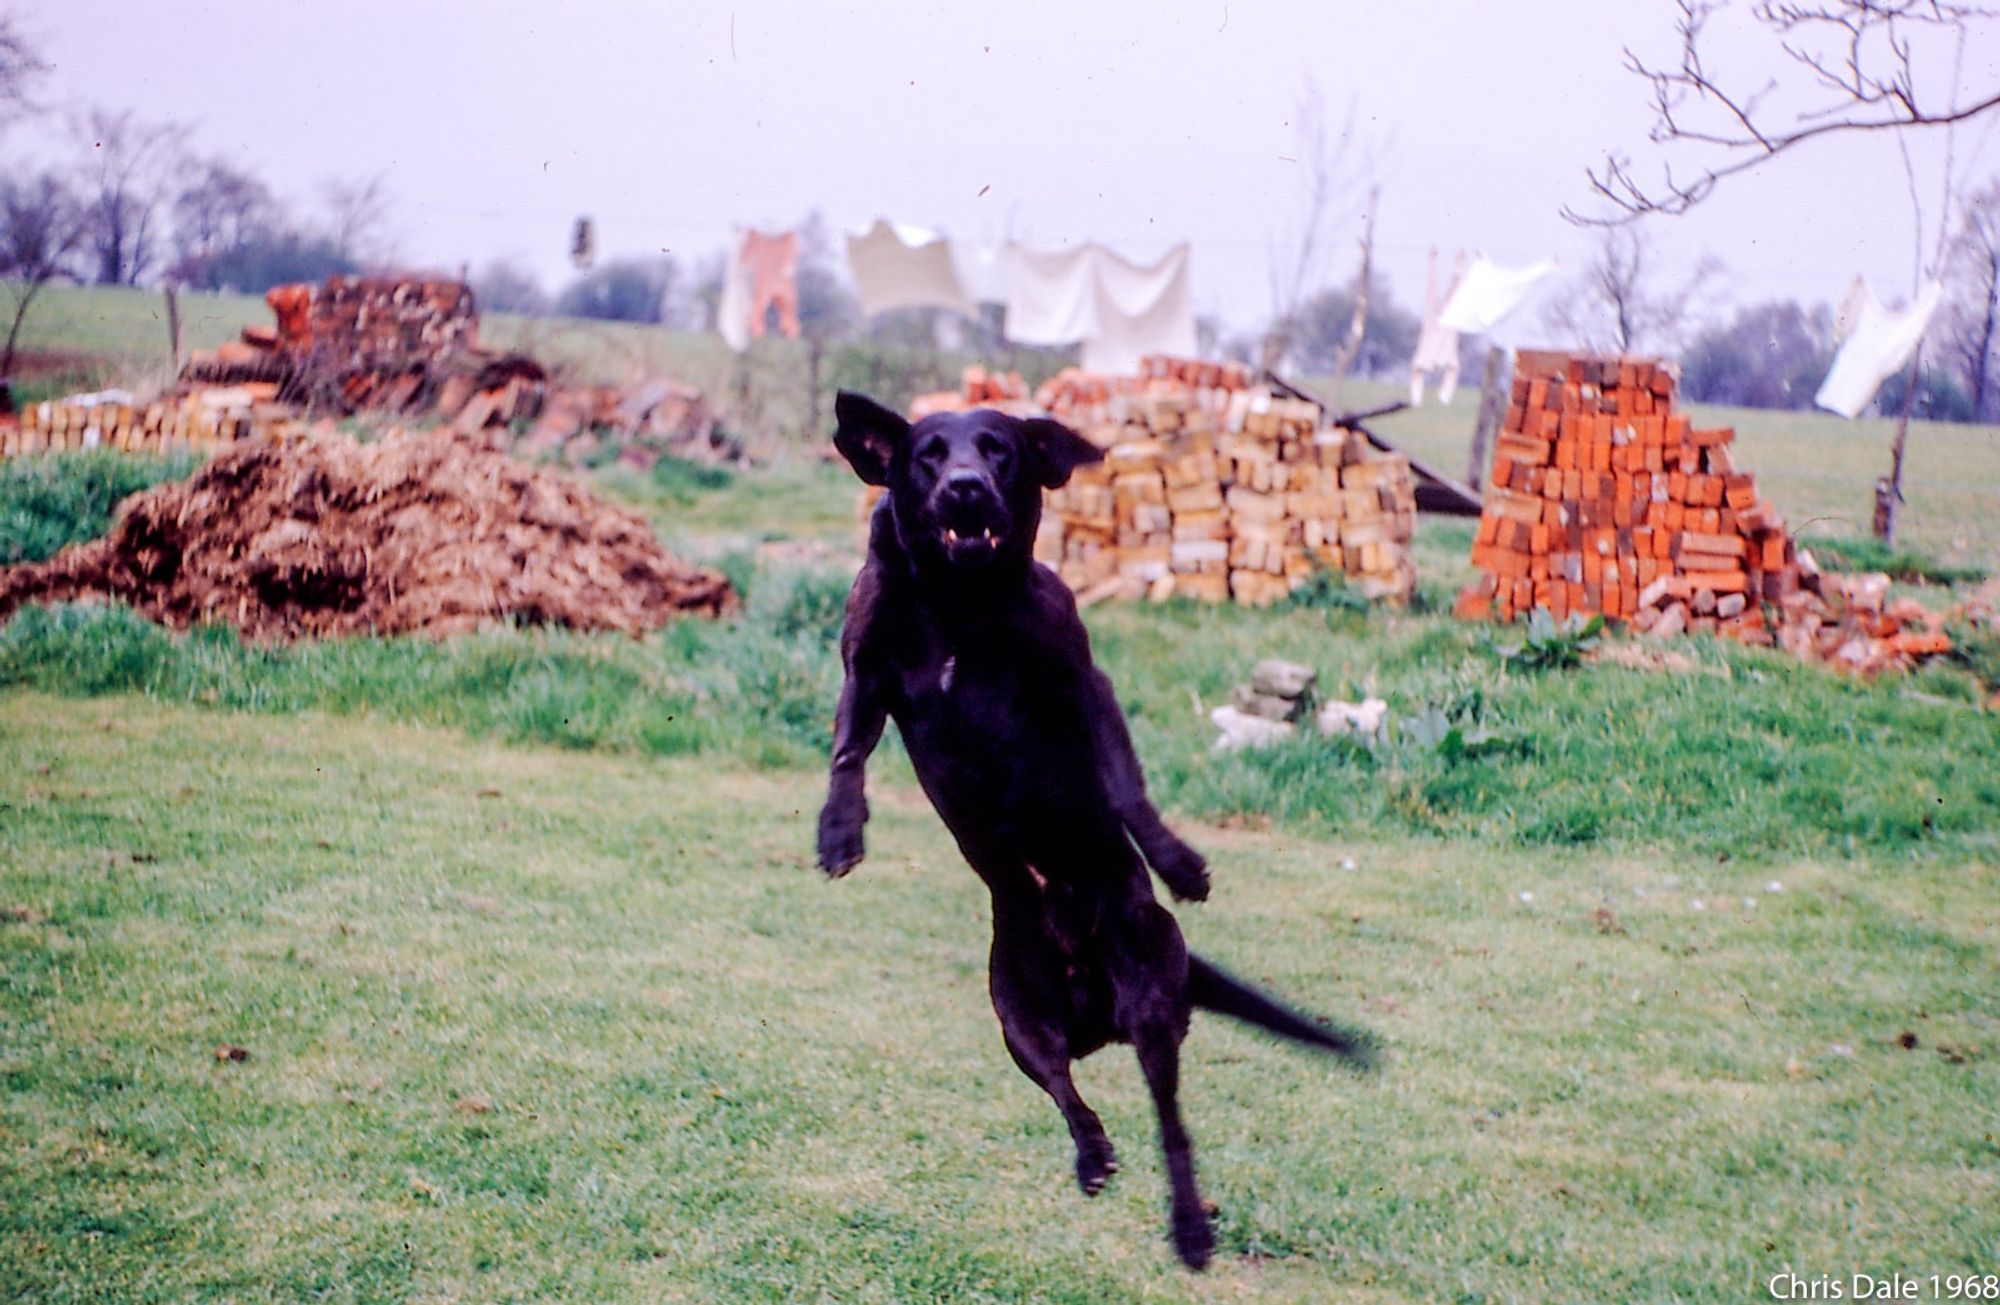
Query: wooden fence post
174,326
1492,407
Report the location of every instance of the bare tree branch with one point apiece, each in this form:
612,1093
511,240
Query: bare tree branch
1623,303
1332,176
1972,321
1357,325
357,212
1846,67
20,68
41,223
125,182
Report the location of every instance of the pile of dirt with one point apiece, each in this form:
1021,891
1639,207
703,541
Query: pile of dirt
425,532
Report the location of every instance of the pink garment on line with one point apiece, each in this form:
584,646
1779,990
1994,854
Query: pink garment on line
773,264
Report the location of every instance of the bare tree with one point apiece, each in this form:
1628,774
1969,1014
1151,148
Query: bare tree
125,183
41,224
1333,170
1842,68
358,216
1973,270
1357,322
1623,301
504,286
20,68
220,208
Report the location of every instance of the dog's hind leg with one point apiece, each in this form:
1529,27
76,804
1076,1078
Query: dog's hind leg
1032,1023
1150,979
1095,1159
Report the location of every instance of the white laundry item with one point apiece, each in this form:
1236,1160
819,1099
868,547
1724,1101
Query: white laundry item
982,270
1880,343
1437,344
898,266
1051,295
1849,313
1488,292
732,308
1119,310
1141,310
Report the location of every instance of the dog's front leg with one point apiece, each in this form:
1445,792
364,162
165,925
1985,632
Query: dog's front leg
857,728
1179,866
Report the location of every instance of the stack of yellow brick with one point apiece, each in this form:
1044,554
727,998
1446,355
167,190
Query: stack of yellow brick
202,421
1211,488
1214,489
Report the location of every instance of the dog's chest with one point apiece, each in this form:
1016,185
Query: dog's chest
977,690
981,705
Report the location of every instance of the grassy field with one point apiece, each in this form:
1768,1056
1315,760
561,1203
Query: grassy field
525,1024
1735,753
1685,974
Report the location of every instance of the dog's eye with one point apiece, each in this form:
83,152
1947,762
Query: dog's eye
994,451
932,451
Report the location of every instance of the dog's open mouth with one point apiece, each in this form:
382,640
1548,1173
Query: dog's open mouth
970,542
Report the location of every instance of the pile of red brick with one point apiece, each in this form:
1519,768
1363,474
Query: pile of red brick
1604,500
383,343
979,388
1850,622
375,323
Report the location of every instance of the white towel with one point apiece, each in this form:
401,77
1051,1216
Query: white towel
1051,295
1488,293
1879,344
982,270
1119,310
898,266
732,308
1141,310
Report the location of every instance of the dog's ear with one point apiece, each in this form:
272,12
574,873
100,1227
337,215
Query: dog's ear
1058,450
867,435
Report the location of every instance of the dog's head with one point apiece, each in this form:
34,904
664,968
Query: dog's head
966,487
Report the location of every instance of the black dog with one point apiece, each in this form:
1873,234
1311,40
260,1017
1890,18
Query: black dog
978,653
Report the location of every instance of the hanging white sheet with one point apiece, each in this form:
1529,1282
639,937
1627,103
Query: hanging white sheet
899,266
1488,292
1120,310
1880,342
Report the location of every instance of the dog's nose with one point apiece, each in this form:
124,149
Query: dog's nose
964,486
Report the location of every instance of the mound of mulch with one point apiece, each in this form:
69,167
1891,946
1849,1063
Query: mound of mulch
424,532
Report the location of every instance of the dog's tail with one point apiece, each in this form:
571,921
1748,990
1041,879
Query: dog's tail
1211,989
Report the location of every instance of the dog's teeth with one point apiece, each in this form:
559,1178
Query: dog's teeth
950,536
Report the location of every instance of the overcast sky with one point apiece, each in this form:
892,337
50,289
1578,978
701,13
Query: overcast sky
1137,123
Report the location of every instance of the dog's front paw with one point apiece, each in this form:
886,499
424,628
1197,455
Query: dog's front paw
840,843
1180,868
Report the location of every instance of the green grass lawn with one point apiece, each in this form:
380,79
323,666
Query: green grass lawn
526,1024
542,998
